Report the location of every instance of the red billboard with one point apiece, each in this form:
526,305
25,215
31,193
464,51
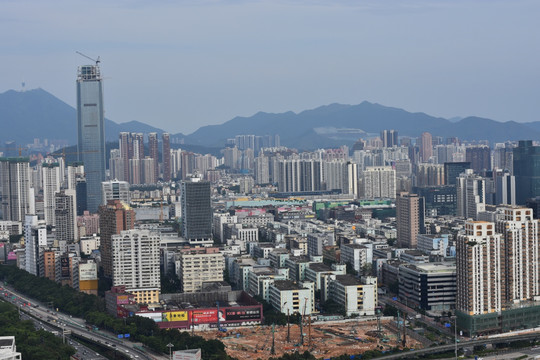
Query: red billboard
204,316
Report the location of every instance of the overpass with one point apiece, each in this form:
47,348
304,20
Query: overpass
477,342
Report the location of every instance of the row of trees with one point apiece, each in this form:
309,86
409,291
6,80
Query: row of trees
92,309
31,343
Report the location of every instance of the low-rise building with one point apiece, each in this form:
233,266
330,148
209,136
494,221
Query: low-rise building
429,286
355,254
260,279
289,297
357,296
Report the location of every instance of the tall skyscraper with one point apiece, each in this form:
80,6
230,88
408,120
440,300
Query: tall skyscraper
505,187
426,147
166,156
196,209
410,215
14,188
479,269
389,138
65,214
452,170
80,189
91,131
498,272
479,157
125,145
379,182
154,154
526,171
471,195
522,259
113,218
35,236
51,185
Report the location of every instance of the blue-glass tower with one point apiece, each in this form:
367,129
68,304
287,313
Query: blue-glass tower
91,132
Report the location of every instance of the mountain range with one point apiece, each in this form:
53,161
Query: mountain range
39,114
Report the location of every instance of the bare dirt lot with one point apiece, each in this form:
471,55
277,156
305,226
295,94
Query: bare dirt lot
327,339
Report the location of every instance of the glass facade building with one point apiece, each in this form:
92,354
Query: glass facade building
526,171
91,132
196,209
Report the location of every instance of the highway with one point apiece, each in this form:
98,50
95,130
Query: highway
83,352
63,322
463,344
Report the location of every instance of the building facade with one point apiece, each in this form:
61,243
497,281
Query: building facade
91,131
135,263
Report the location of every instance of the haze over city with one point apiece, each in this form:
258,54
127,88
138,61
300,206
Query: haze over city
179,66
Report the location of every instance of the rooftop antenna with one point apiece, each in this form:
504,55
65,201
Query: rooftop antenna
97,61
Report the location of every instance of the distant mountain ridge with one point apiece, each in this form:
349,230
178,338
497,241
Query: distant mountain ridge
25,115
38,114
302,130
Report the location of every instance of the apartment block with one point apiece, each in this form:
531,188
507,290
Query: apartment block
196,266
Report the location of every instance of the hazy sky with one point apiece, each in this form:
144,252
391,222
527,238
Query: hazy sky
179,65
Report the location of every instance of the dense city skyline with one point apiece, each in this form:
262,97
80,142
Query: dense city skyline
181,66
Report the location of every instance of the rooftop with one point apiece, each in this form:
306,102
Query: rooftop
285,285
319,267
348,280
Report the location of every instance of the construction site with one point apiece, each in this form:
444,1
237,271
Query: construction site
322,339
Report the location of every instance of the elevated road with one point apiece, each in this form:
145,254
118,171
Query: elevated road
77,326
477,342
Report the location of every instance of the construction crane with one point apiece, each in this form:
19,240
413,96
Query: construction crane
302,323
19,149
97,61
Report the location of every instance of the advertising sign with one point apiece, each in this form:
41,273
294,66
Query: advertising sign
64,267
88,271
187,354
122,299
204,316
243,314
156,316
174,316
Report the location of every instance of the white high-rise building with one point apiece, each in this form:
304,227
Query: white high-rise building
471,194
135,263
351,179
262,169
115,190
74,170
480,272
14,188
51,185
379,182
522,253
333,174
35,236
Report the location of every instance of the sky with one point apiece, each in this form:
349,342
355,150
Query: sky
179,65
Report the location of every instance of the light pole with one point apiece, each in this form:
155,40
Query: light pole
170,346
455,335
288,324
